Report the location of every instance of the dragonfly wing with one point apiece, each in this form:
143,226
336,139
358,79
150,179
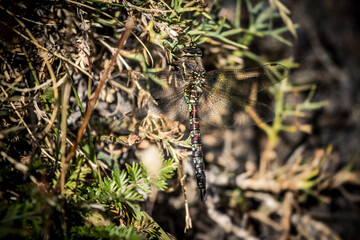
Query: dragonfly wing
229,96
167,92
244,82
224,110
173,106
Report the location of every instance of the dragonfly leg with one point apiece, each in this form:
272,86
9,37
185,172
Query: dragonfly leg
168,61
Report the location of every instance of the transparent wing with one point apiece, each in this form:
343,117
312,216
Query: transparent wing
229,98
167,91
241,82
220,109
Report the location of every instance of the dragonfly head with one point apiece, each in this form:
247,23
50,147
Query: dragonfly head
191,50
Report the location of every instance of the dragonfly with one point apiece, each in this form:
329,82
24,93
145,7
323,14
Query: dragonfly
225,98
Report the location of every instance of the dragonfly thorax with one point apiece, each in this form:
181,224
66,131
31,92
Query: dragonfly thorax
200,74
198,79
189,65
190,60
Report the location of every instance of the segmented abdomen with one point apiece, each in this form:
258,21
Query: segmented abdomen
197,154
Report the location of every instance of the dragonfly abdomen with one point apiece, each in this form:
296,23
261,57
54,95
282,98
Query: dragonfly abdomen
197,154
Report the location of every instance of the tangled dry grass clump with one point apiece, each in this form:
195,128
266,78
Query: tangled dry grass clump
79,160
